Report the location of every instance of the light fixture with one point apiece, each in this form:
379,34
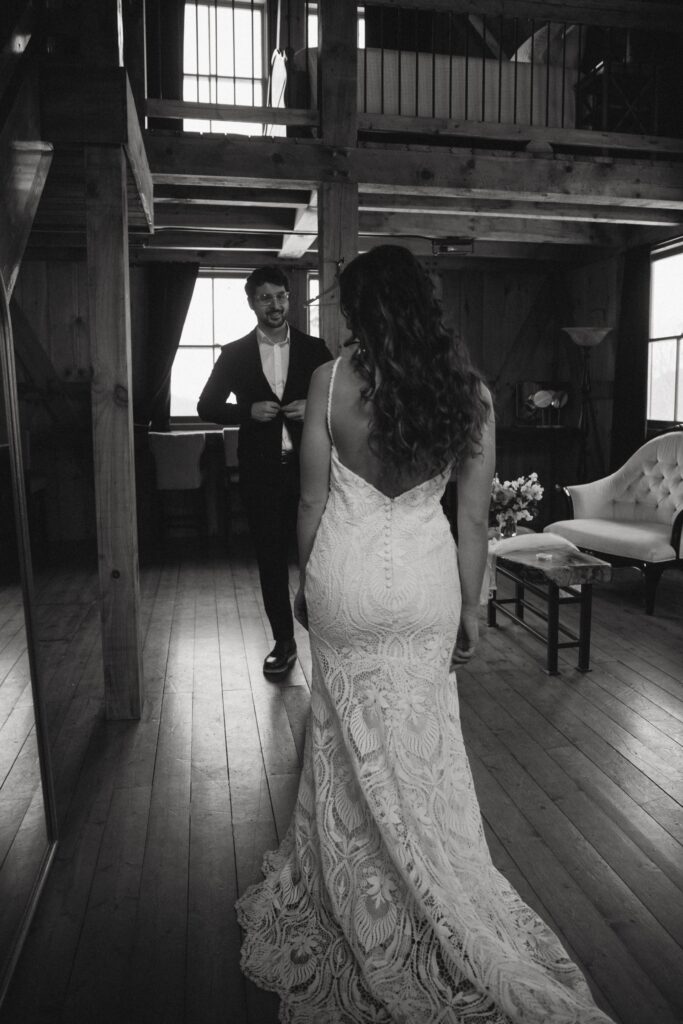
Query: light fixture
587,338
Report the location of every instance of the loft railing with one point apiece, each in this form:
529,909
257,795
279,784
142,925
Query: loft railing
443,74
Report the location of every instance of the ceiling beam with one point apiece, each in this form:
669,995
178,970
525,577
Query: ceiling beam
182,109
397,225
306,231
446,207
621,13
420,171
223,218
190,195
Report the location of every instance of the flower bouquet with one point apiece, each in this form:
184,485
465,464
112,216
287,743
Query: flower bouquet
514,500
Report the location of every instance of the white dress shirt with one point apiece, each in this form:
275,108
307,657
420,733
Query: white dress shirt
275,363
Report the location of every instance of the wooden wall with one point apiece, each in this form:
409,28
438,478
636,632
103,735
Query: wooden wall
510,315
55,395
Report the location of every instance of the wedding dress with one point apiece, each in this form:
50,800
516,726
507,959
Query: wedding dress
382,903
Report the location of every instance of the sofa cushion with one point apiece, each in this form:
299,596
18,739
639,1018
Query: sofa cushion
647,542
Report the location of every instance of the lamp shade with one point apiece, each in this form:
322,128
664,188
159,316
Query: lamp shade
587,337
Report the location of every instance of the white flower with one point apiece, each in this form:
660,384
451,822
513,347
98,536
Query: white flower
517,496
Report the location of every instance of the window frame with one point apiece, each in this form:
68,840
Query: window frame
222,127
677,421
213,273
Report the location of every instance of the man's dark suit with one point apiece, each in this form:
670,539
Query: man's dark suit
269,485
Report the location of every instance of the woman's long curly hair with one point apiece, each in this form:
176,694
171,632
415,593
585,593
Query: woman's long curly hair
428,408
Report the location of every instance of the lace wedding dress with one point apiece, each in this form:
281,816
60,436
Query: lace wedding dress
382,903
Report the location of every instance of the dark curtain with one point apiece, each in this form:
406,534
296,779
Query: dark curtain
629,418
169,291
164,23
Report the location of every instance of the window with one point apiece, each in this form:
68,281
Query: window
313,305
223,60
665,369
312,25
218,314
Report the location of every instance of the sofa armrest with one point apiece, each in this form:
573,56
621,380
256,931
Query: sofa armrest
593,500
676,531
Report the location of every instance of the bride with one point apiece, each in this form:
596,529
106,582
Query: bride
382,903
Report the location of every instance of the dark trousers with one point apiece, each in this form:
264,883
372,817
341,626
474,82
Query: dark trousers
271,501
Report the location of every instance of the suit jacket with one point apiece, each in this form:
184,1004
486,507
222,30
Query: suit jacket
238,371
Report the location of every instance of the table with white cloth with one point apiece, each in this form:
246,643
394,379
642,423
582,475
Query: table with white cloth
557,573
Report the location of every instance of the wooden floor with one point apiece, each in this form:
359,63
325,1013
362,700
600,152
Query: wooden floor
580,779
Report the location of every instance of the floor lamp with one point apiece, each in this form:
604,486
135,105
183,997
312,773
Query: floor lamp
587,338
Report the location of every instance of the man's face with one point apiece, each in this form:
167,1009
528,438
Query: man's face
271,305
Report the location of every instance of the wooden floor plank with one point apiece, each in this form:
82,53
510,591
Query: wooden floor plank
157,988
578,776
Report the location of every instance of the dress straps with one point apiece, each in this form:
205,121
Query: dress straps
329,396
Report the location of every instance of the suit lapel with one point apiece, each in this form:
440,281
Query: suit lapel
258,377
293,370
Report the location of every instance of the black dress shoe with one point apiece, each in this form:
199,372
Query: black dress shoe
281,658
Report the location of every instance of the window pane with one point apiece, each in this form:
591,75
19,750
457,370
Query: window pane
218,314
226,48
198,328
662,380
232,316
667,297
222,42
191,369
313,307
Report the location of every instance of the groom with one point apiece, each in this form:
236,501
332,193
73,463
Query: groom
268,371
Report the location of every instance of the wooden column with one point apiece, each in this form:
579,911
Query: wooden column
338,198
337,246
108,297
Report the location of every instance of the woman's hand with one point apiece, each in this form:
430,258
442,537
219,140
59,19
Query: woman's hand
468,637
300,611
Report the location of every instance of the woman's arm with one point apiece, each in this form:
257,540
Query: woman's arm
314,461
474,496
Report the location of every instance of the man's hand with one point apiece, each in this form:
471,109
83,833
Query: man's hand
263,412
300,610
295,410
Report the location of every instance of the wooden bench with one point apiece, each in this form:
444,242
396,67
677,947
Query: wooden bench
558,576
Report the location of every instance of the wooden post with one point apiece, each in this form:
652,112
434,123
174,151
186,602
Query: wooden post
338,199
101,28
337,246
108,297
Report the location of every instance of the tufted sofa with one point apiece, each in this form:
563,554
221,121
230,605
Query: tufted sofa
635,515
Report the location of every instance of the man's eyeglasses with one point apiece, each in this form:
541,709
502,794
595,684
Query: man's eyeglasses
269,300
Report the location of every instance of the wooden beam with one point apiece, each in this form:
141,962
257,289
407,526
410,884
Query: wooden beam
191,195
109,311
207,240
483,254
234,260
338,47
266,163
486,35
337,195
617,13
490,229
520,134
295,242
447,207
231,112
21,187
137,158
337,246
224,218
305,232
